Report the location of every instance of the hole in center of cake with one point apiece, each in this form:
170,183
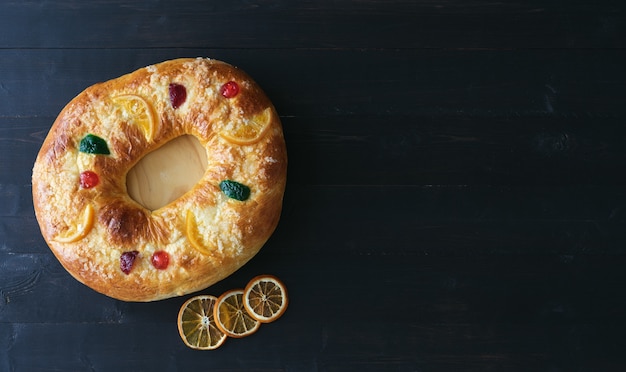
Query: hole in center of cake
167,173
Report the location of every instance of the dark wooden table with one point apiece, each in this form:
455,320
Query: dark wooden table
455,202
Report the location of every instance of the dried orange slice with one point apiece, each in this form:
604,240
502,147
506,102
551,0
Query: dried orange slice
137,110
265,298
196,324
191,228
79,230
231,317
250,131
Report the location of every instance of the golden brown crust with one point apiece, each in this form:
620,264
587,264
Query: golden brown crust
88,229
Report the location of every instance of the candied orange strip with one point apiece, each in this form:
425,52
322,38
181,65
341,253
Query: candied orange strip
249,132
194,235
137,110
83,226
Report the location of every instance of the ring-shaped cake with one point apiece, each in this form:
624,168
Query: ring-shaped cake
123,249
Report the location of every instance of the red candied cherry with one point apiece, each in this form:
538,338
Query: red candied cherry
230,89
127,260
178,95
160,260
89,179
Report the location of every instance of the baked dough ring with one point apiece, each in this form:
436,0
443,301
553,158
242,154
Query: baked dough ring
111,243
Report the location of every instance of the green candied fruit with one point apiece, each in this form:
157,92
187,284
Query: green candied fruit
91,144
235,190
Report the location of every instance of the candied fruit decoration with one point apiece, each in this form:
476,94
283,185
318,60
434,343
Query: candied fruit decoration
250,131
178,95
92,144
79,229
160,260
235,190
194,236
127,260
135,109
230,89
89,179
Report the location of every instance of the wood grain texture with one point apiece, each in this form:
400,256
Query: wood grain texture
315,24
378,83
455,197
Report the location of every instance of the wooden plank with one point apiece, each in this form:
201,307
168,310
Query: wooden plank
313,24
513,312
399,150
424,220
451,221
428,220
403,150
431,83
